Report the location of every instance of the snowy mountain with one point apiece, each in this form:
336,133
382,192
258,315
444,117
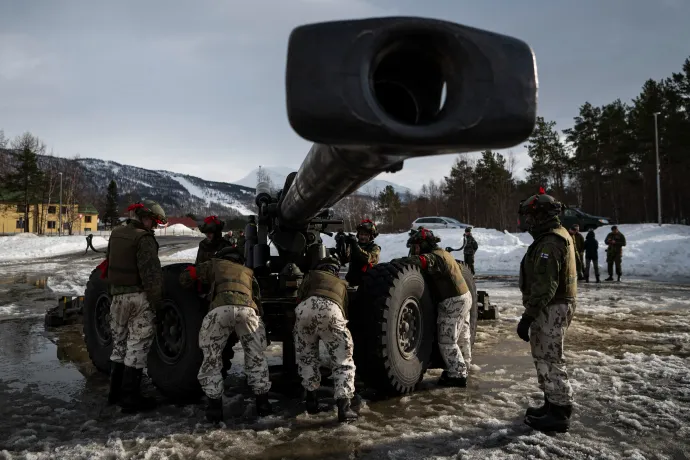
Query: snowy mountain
278,174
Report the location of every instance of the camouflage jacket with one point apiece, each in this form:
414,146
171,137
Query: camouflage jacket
208,248
469,245
443,272
548,271
361,257
615,243
204,274
307,287
149,266
579,242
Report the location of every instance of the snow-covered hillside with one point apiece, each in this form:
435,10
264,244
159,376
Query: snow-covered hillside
278,174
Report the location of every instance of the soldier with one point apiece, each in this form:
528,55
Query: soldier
236,307
614,252
548,281
592,255
214,242
241,241
135,280
449,289
230,238
579,250
469,246
321,314
363,253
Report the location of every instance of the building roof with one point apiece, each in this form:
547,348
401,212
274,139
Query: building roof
87,209
186,221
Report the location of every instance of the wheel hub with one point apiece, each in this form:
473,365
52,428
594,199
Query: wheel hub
170,336
103,332
409,328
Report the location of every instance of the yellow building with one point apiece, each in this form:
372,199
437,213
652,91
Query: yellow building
44,217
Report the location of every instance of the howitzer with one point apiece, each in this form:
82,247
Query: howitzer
370,94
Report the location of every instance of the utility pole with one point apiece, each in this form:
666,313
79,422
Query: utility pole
60,210
658,167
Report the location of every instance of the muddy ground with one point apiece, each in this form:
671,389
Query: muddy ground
629,359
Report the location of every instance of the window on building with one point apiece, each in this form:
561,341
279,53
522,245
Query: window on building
21,208
87,229
20,224
87,219
64,210
65,226
52,209
51,224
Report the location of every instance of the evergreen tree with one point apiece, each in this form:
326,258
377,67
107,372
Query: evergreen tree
389,202
112,214
27,178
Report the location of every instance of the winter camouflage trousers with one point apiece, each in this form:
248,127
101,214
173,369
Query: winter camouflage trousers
216,328
132,328
320,318
546,341
454,334
614,258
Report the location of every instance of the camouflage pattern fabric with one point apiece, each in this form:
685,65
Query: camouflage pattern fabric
321,318
208,248
469,245
215,330
454,334
546,341
614,252
131,325
360,257
469,261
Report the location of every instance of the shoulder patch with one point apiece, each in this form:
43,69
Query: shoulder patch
544,255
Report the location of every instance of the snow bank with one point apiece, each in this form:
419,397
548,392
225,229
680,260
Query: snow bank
178,230
651,250
30,246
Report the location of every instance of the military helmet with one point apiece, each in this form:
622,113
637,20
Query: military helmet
148,208
212,224
231,253
367,226
424,239
468,229
540,204
329,264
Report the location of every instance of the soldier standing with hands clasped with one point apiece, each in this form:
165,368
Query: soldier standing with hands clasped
614,252
548,281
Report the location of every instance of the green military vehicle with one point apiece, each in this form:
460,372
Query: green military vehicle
369,94
571,215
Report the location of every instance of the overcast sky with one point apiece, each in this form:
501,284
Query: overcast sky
198,86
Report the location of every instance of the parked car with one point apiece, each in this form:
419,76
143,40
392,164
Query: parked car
438,222
571,215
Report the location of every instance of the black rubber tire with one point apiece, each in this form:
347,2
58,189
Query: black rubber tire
177,378
99,349
374,324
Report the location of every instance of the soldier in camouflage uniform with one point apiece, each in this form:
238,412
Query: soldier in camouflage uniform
548,281
449,289
469,247
579,241
363,253
614,252
214,242
135,280
321,314
230,239
236,307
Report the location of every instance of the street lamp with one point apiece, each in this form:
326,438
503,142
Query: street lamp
60,210
658,167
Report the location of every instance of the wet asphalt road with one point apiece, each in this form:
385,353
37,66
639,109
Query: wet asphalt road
628,351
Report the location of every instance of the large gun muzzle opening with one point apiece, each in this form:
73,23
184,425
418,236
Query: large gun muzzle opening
408,78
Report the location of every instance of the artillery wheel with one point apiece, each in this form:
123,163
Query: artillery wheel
393,327
96,311
175,358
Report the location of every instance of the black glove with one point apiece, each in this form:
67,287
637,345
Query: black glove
449,249
351,239
523,327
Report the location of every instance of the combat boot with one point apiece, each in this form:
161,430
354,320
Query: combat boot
132,401
345,412
448,381
263,405
619,278
586,280
214,410
538,411
610,278
557,419
598,279
312,402
116,372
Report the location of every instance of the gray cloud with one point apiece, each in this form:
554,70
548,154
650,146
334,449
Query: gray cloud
197,87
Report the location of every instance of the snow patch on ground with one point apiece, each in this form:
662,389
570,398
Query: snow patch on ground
23,246
178,230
